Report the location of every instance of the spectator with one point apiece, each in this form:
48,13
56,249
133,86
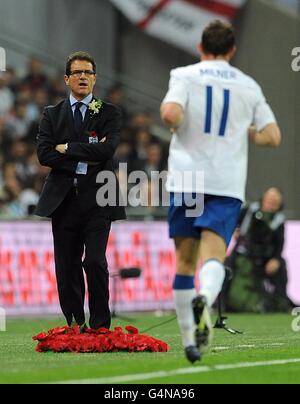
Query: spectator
143,139
116,96
4,212
124,155
12,191
28,201
57,90
154,161
24,93
17,123
11,79
35,107
25,171
153,166
36,78
141,120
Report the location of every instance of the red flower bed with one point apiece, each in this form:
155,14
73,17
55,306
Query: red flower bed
69,339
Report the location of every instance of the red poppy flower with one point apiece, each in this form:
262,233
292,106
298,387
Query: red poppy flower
131,330
40,337
69,339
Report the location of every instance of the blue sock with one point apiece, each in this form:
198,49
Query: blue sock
184,282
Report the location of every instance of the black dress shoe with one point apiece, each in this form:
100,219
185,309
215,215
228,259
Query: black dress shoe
83,328
73,323
192,354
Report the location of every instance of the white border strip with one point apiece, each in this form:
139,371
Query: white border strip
176,372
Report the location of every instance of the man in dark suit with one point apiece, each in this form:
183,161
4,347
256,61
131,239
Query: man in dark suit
77,139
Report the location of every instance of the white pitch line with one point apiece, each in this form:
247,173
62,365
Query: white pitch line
235,347
176,372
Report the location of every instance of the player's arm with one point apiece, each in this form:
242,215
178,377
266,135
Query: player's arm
173,105
172,114
269,136
265,131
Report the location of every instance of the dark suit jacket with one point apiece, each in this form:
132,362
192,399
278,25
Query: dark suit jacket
57,127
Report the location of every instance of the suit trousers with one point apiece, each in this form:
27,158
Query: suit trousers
79,233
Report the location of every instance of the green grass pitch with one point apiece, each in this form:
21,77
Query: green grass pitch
254,357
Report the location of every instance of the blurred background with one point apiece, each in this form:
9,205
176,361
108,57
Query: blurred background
135,43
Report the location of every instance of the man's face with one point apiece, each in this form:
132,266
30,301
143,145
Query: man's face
81,84
272,201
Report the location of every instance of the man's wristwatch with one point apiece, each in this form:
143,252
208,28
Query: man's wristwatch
66,147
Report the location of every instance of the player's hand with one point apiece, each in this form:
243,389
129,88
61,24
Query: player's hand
61,148
272,266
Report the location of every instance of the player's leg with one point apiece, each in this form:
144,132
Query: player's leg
217,225
212,275
187,239
187,253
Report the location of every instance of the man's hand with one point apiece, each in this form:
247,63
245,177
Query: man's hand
61,148
272,266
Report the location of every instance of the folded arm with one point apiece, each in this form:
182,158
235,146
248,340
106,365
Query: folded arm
46,148
102,151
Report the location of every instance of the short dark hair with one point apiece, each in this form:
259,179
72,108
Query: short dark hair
79,56
218,38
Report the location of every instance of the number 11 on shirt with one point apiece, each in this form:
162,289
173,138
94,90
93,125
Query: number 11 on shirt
209,108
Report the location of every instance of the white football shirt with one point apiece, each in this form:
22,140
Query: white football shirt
220,104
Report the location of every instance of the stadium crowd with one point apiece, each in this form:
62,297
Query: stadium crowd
22,100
